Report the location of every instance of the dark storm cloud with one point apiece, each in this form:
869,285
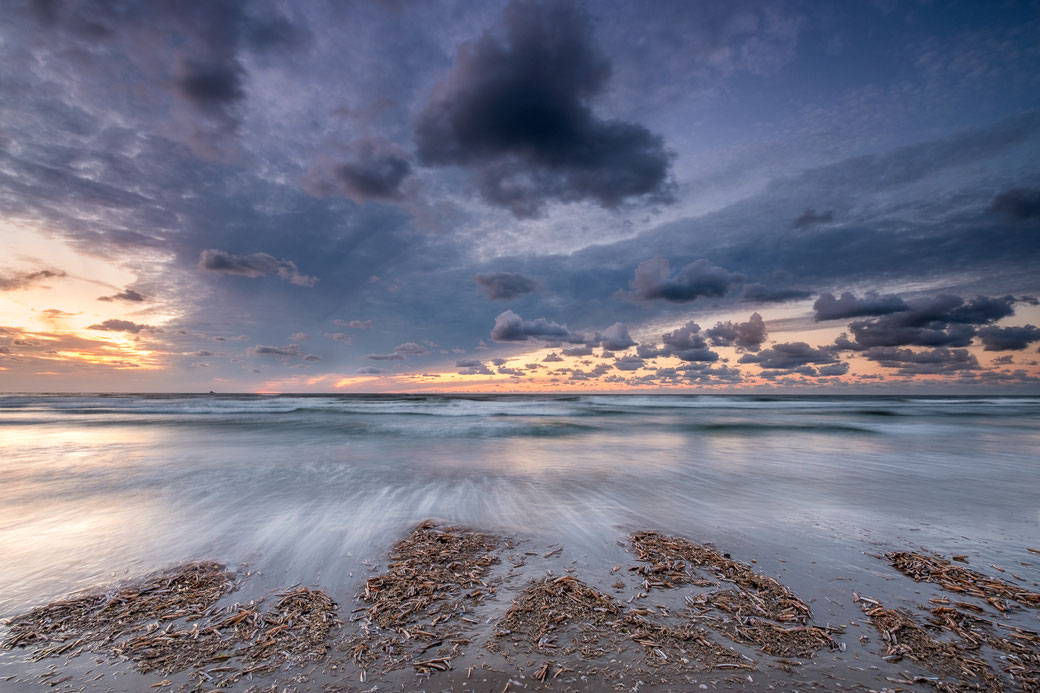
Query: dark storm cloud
1009,338
687,344
616,338
510,327
518,113
942,321
828,307
127,295
698,279
505,286
926,362
810,218
761,293
1018,204
252,265
791,356
211,87
115,325
373,169
745,336
23,280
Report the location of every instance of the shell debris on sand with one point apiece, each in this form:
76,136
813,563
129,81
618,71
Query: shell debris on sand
565,616
432,577
758,610
148,623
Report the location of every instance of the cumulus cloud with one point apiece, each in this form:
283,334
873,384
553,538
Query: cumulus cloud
687,344
510,327
472,367
114,325
505,286
796,357
745,336
828,307
1009,338
23,280
400,352
616,338
925,362
654,280
281,351
517,111
629,363
127,295
942,321
340,337
552,357
252,265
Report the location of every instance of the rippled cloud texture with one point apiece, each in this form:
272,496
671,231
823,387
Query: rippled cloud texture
524,195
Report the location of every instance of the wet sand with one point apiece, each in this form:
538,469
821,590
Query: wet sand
460,609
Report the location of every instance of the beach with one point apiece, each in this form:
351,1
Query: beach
831,497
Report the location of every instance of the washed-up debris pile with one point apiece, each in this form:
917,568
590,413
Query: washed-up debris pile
561,616
757,610
434,576
94,620
955,578
905,638
172,623
957,642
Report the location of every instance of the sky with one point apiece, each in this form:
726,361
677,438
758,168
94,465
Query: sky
524,196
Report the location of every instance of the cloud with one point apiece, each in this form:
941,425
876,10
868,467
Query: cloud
517,111
211,87
552,357
698,279
300,336
760,293
848,306
1009,338
127,295
942,321
253,265
927,362
23,280
810,218
510,327
505,286
370,370
745,336
629,363
340,337
373,169
790,356
616,338
1018,204
311,357
281,351
472,367
687,344
114,325
400,352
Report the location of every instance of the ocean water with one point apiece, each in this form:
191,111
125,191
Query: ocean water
314,489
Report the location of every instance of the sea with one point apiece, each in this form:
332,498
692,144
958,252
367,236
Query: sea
315,489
